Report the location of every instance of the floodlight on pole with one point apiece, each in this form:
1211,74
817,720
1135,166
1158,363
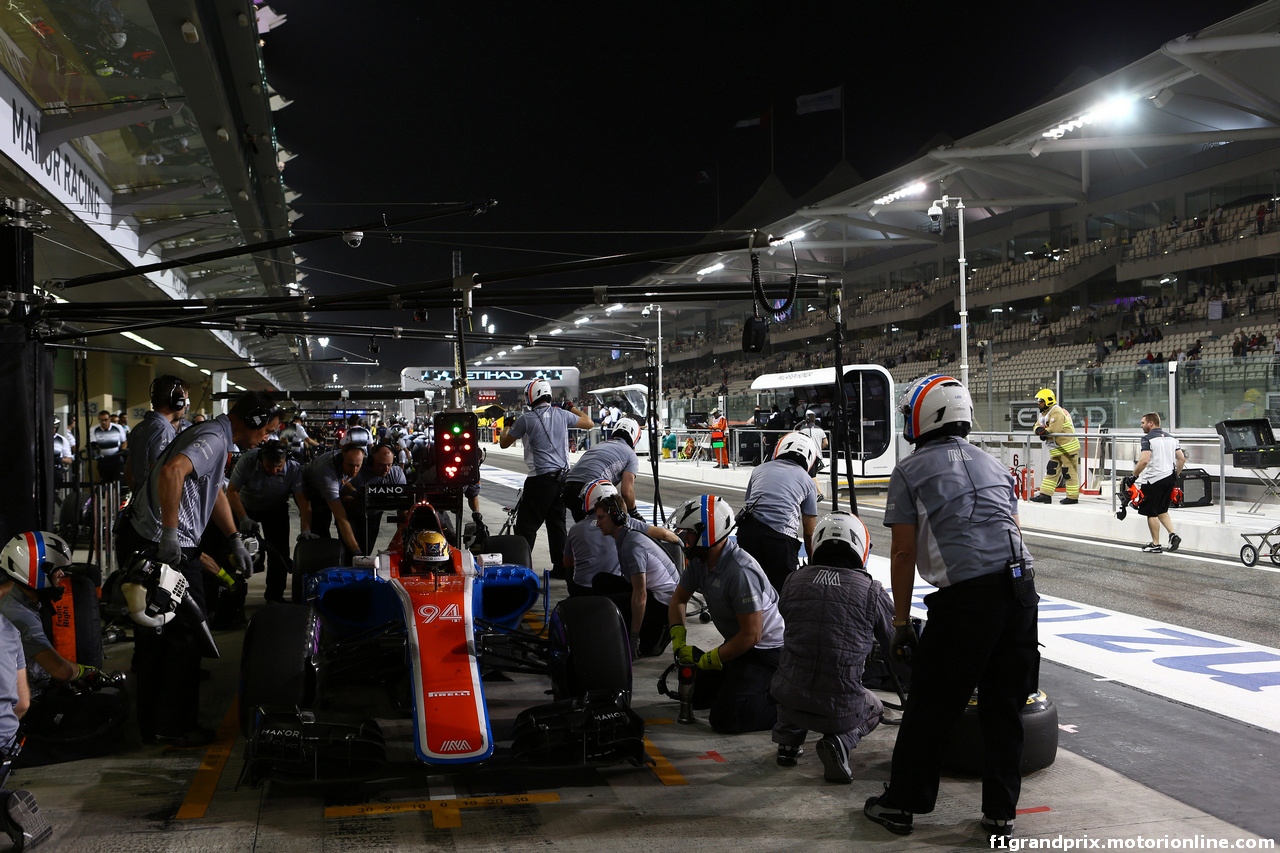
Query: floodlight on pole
935,213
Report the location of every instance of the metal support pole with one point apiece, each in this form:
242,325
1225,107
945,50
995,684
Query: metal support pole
964,309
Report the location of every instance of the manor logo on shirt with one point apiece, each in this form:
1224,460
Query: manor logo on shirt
826,577
956,454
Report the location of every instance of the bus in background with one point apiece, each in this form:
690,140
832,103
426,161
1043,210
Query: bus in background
632,402
872,437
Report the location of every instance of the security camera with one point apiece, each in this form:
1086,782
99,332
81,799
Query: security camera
353,238
935,213
646,312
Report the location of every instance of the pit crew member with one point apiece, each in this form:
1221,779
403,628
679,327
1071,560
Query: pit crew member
781,508
258,492
614,460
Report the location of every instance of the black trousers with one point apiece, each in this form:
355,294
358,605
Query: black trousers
321,515
166,661
654,631
541,504
275,530
977,636
738,695
111,468
778,555
571,493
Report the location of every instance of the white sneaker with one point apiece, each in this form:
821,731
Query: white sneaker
1152,548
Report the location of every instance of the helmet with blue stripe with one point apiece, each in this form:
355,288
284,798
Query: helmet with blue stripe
708,516
28,558
536,391
937,404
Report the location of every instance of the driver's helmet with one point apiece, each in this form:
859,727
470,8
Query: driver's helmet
29,558
427,551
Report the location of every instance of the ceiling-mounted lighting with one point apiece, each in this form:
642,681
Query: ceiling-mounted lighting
488,358
223,134
556,331
615,307
501,353
909,189
709,270
185,361
205,372
189,33
484,320
581,320
518,346
1112,108
141,340
323,342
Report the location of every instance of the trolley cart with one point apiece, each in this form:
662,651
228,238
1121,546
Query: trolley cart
1261,545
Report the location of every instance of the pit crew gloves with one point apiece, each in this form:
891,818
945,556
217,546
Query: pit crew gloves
227,579
635,513
169,551
91,673
249,527
680,645
239,556
905,642
307,534
711,660
635,645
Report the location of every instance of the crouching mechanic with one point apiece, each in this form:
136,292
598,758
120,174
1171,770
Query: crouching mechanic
19,814
834,611
588,554
953,513
259,493
733,678
781,507
1055,428
648,577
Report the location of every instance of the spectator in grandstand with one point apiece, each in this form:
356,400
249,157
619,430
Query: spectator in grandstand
1262,218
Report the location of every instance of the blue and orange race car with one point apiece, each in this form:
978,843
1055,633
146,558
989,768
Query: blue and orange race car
401,637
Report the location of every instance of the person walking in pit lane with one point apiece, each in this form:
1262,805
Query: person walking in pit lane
545,431
734,678
781,508
1160,461
834,612
258,492
953,514
614,460
107,443
1054,427
169,400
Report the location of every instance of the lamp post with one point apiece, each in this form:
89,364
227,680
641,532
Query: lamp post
648,309
935,213
991,364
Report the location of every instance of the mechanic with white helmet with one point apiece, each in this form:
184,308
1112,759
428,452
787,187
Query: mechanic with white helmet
589,554
834,612
733,678
1055,428
545,430
36,562
614,460
954,516
169,400
19,815
647,580
781,508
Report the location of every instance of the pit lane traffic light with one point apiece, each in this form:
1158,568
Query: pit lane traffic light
457,448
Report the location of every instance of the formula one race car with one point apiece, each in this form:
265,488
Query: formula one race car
411,633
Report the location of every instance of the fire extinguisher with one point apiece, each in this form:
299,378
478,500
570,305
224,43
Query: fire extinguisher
1028,482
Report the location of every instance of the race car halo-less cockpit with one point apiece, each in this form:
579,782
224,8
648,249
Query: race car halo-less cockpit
421,623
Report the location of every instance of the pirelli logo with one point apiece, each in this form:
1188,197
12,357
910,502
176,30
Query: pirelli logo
455,746
437,694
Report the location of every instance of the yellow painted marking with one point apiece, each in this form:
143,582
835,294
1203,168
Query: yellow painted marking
442,810
660,721
663,769
205,784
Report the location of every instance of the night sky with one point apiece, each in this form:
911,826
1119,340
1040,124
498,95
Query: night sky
592,124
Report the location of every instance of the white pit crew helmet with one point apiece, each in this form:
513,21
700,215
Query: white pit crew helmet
594,492
800,444
846,528
935,403
536,391
28,557
631,427
710,516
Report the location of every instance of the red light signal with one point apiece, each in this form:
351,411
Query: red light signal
457,456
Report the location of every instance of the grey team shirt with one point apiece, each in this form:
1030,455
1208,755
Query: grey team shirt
608,460
546,447
26,619
779,493
737,585
322,476
593,553
12,664
963,505
638,553
262,492
106,442
1164,456
146,442
206,445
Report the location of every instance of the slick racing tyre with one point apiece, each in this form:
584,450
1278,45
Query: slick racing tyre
589,648
312,555
514,550
275,662
1039,737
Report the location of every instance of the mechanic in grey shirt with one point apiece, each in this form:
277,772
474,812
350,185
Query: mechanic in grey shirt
954,517
324,478
149,439
781,508
588,555
643,591
614,460
15,695
378,470
545,432
167,519
734,678
106,441
296,437
258,492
